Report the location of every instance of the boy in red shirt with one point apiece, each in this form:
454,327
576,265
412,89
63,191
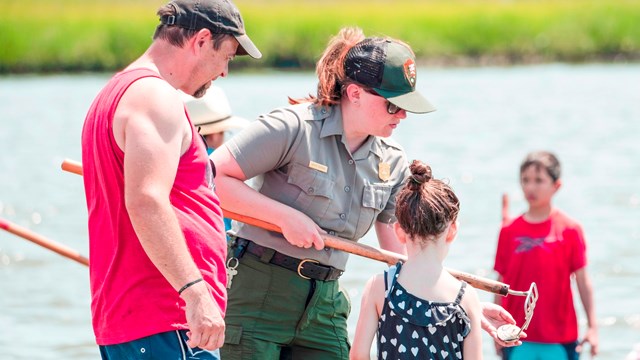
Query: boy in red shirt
547,247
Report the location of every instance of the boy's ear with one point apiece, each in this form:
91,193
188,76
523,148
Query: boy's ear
400,234
557,184
452,232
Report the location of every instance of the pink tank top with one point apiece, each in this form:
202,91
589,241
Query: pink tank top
130,299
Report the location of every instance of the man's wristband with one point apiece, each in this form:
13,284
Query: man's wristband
187,285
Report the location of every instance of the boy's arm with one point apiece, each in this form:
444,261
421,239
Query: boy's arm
585,288
473,341
370,308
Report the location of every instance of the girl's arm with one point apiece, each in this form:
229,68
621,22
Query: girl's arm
586,296
473,341
370,308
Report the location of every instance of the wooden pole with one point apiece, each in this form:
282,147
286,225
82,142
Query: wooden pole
42,241
351,247
72,166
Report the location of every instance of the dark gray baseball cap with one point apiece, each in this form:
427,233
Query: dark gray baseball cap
388,67
219,16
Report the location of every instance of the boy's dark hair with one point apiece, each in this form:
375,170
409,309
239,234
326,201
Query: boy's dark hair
425,206
177,35
542,160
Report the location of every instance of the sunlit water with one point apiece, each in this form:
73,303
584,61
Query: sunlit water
487,120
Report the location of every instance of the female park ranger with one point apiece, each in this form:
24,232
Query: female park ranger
324,164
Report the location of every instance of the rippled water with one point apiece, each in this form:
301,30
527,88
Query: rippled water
487,119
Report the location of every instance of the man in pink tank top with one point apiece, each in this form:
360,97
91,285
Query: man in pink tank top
157,242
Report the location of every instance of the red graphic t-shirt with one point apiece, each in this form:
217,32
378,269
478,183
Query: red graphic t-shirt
546,253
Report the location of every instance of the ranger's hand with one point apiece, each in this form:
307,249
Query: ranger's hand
301,231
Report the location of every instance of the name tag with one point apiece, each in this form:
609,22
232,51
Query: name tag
319,167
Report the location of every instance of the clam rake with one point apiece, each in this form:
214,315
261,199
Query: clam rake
510,332
351,247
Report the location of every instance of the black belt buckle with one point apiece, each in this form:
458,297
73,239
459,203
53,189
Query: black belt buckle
300,267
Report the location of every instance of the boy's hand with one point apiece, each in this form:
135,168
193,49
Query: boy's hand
590,337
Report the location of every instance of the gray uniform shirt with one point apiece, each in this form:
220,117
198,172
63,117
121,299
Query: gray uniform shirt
303,161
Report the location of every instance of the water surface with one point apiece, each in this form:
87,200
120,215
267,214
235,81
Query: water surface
487,120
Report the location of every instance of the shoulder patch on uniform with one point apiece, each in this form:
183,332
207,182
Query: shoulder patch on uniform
390,142
310,112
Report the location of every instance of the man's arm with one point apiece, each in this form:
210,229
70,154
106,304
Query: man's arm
152,130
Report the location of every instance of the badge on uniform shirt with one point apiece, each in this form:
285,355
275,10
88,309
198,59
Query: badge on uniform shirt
319,167
384,171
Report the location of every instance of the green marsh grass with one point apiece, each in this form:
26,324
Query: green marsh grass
100,35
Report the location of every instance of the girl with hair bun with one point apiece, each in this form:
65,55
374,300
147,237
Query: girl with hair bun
417,309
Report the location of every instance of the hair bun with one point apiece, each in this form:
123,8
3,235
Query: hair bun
420,173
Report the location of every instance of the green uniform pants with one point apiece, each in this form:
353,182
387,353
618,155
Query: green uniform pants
273,313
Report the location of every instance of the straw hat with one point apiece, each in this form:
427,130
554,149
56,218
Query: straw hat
212,113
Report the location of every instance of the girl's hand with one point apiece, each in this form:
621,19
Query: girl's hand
494,316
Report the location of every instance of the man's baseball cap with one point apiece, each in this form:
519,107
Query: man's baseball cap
219,16
389,68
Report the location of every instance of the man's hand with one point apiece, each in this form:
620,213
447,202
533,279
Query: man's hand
206,325
493,316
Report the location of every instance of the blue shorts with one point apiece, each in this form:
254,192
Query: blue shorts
539,351
171,345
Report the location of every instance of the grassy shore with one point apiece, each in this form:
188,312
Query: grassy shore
100,35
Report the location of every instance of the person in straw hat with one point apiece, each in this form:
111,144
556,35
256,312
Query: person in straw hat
211,115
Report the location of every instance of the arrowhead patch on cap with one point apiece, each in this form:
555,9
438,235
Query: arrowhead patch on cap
410,71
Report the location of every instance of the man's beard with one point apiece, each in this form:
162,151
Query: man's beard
201,90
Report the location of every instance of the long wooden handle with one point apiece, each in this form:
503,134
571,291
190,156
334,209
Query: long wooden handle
351,247
505,208
42,241
72,166
373,253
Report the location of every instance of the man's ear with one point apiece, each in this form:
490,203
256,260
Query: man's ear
200,39
400,234
452,232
